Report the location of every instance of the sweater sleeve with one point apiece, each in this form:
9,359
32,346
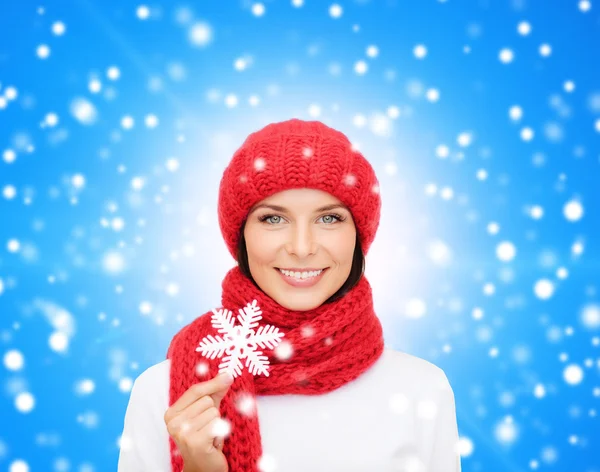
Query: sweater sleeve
144,443
445,454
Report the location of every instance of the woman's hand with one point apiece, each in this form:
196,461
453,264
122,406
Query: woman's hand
190,422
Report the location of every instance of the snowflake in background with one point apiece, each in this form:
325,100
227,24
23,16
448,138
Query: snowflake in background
240,341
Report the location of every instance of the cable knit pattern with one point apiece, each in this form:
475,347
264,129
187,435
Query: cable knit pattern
332,344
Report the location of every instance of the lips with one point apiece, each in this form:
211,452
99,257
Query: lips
308,282
295,269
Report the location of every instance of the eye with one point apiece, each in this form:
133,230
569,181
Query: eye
331,217
327,219
268,217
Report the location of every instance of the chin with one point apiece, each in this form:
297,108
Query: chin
299,303
294,298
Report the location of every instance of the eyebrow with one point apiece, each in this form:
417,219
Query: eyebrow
285,210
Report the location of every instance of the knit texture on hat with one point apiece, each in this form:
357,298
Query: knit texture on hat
297,154
332,345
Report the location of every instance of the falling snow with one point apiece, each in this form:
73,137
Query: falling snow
485,146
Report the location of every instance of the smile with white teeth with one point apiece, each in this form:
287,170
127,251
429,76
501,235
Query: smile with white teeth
301,275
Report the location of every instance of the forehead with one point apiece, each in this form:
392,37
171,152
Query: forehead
300,198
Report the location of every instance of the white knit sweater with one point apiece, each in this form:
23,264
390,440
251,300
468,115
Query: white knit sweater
397,416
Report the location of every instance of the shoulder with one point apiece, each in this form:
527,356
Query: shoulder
423,375
425,386
144,443
154,375
152,385
149,396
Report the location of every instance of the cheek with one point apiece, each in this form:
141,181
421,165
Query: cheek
341,245
259,246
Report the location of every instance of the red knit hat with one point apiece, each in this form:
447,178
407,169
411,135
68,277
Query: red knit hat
298,154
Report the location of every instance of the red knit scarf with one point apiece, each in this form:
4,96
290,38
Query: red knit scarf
332,345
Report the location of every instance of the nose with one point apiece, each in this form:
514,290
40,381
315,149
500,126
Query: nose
301,241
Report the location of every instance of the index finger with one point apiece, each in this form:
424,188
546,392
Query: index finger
199,390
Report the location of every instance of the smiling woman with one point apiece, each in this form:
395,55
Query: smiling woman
298,209
304,255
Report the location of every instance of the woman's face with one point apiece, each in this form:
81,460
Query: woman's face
291,230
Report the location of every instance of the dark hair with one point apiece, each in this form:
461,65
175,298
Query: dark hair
356,271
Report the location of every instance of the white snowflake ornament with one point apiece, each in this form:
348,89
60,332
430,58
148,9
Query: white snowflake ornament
240,341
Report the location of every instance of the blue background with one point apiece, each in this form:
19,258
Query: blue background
79,263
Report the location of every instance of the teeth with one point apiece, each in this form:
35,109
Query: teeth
301,275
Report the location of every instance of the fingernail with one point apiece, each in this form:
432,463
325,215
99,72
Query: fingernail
226,379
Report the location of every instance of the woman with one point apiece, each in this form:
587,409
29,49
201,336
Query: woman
298,209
